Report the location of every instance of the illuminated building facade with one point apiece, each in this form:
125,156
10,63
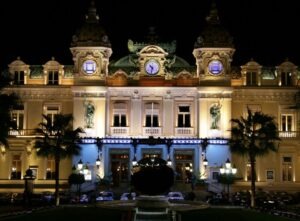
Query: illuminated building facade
152,103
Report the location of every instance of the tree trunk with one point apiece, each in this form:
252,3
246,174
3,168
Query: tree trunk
253,179
57,161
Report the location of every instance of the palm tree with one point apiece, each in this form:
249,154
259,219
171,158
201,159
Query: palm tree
7,103
58,140
253,136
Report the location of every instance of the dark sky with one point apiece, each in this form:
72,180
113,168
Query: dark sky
265,30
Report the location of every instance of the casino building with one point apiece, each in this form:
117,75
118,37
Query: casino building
152,103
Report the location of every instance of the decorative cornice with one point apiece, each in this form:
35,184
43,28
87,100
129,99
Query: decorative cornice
49,93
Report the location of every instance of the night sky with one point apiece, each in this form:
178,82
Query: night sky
262,29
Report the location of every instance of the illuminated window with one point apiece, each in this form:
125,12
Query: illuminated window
19,77
119,114
286,122
50,169
16,166
152,115
151,152
248,172
286,79
17,116
287,169
251,79
53,77
51,111
119,120
184,116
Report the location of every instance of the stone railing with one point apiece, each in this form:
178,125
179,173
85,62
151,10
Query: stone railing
23,132
288,134
119,131
152,131
184,131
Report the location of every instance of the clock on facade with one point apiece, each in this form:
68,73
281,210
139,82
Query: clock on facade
89,66
152,67
215,67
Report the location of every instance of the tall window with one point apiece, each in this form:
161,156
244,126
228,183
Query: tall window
50,169
19,77
17,116
53,77
152,114
119,120
287,122
119,114
286,79
287,169
16,166
184,116
251,78
51,111
248,172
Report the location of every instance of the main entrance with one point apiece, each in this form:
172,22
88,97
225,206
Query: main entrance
184,167
119,166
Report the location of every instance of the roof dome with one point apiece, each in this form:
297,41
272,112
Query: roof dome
91,33
214,34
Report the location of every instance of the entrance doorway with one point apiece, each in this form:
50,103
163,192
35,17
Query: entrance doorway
152,153
119,168
184,165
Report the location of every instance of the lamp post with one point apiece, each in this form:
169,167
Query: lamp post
28,190
84,169
169,144
99,145
134,144
227,174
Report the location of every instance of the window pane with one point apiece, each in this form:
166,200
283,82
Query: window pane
123,120
155,121
21,121
116,121
148,120
187,120
180,120
289,123
283,122
184,108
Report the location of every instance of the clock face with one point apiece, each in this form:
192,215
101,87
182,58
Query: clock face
215,67
152,67
89,66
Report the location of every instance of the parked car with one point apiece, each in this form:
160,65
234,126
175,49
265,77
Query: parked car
47,197
84,198
175,196
128,196
105,196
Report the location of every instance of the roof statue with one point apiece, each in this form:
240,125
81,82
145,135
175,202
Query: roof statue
91,33
151,39
214,34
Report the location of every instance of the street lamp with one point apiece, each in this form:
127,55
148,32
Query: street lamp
98,162
28,178
227,174
169,144
80,165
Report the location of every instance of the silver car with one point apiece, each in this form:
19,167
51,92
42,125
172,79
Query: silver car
105,196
